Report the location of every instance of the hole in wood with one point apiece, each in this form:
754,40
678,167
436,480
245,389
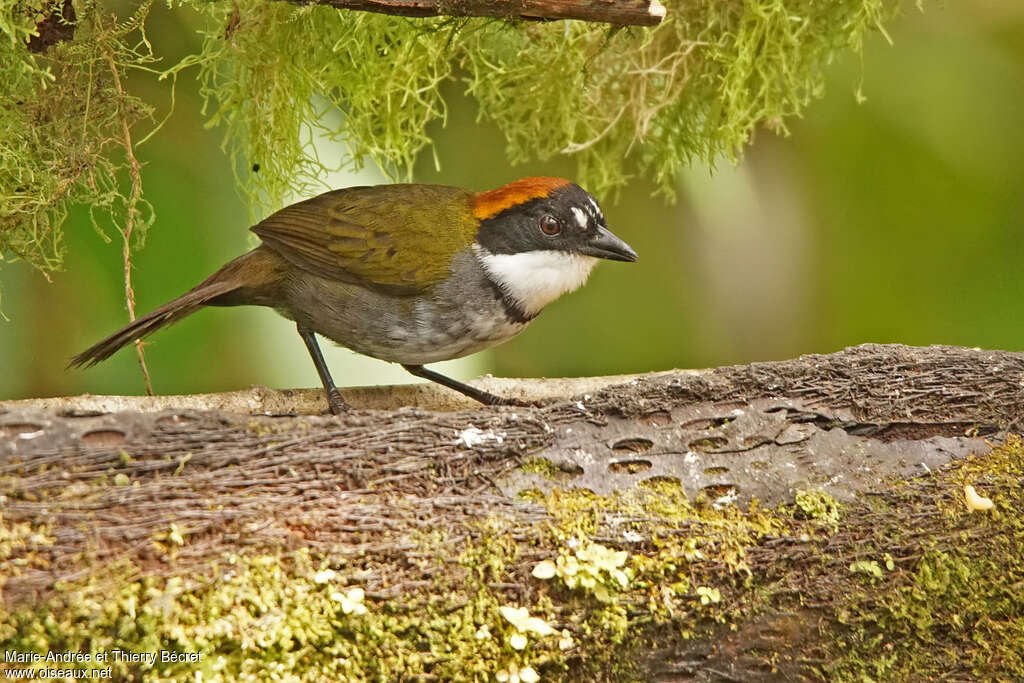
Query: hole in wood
658,419
81,412
771,633
103,437
570,468
707,422
716,491
715,471
630,466
708,444
19,428
660,481
632,445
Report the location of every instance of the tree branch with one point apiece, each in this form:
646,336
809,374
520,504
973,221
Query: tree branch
619,12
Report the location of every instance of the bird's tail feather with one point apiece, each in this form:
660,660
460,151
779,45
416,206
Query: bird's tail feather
234,284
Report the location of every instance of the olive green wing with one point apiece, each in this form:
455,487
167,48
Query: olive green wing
394,238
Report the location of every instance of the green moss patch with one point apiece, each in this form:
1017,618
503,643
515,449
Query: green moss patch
905,584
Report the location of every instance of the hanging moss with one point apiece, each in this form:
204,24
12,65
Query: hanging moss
61,128
621,102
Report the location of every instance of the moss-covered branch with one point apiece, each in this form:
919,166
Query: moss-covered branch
379,545
618,12
620,102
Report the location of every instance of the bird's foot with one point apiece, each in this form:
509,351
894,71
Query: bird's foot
495,400
336,403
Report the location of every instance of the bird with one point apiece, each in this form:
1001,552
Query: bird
407,273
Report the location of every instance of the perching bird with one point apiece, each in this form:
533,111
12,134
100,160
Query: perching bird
411,274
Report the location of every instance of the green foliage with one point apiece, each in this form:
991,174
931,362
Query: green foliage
591,567
958,607
62,117
621,102
273,74
819,506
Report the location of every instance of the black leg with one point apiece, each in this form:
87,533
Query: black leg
334,400
476,394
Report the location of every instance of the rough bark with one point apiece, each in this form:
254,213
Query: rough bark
254,474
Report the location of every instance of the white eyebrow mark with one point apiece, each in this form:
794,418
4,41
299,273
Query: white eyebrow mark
597,209
581,218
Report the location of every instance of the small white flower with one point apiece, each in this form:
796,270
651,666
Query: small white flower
544,570
352,601
620,576
324,576
566,641
709,595
483,633
513,674
517,641
521,619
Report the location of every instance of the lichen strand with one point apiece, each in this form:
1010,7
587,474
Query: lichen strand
63,119
274,74
621,102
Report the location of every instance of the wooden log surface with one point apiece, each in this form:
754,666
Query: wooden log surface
250,472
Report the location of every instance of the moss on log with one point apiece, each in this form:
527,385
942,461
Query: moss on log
800,520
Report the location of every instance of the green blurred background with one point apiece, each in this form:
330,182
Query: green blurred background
900,219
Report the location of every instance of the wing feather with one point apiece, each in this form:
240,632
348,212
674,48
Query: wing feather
395,238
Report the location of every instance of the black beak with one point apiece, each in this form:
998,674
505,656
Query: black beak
606,245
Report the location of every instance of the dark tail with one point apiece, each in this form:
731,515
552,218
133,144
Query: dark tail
248,279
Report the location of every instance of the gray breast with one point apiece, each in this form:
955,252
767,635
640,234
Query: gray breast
460,316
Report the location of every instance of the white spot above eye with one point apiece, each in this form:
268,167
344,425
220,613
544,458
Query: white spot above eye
581,218
536,278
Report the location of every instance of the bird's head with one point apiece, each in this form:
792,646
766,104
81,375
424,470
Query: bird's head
539,238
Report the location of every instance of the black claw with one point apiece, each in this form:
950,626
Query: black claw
493,400
336,403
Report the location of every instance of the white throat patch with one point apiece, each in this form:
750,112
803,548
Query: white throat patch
536,278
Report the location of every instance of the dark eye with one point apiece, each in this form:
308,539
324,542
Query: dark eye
550,225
